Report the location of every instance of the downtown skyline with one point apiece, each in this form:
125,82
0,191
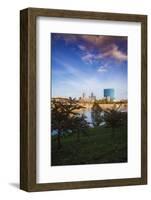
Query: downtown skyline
88,63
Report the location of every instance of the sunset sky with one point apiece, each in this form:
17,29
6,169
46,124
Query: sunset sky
88,63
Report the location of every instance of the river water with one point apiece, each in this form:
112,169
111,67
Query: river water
87,113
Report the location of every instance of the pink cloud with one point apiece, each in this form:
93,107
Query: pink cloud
94,39
114,52
105,46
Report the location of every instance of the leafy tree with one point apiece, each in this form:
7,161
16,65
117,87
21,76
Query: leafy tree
114,118
65,117
79,125
96,114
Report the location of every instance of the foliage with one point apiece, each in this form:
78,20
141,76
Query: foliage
96,114
79,125
65,117
114,118
105,101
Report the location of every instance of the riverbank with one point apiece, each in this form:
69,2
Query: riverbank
97,145
105,106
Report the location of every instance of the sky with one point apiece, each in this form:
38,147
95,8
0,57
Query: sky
88,63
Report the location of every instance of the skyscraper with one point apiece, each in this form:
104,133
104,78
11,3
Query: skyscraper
92,97
109,94
83,95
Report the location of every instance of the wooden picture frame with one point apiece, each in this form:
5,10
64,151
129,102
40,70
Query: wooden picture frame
28,98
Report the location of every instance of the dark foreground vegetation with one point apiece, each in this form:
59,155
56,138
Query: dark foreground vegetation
98,146
76,142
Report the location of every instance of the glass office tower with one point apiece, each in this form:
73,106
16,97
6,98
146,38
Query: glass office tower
109,94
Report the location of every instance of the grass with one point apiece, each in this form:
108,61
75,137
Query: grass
99,145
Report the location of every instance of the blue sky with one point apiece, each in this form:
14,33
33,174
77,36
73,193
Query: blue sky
88,63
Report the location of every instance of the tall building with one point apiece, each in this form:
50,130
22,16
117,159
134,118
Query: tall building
92,97
109,94
83,95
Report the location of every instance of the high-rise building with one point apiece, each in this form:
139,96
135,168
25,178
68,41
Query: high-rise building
109,94
92,97
83,95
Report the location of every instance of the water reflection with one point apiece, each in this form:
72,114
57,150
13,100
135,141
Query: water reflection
87,112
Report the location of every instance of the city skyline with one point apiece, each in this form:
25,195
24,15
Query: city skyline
88,63
90,96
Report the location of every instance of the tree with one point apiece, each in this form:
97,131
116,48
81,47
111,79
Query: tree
96,114
114,118
65,117
79,125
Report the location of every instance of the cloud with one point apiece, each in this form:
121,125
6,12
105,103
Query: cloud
70,68
102,68
111,51
115,53
68,38
82,48
94,39
88,58
102,52
72,80
95,47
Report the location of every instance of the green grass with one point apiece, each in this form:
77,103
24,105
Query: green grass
98,145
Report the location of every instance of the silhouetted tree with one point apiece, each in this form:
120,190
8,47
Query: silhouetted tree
114,118
79,125
64,117
96,114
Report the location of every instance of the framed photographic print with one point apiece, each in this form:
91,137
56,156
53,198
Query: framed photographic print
83,99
